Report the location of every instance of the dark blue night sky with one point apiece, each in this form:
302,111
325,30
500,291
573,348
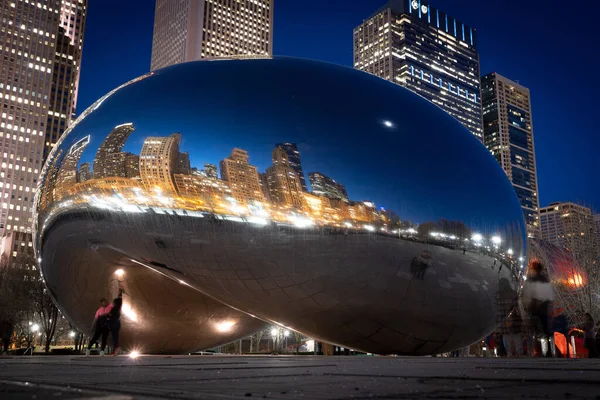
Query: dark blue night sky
519,40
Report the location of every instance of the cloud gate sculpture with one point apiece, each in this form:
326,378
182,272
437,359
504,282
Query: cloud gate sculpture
225,195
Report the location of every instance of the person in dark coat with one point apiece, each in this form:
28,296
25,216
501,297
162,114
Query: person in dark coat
6,329
115,321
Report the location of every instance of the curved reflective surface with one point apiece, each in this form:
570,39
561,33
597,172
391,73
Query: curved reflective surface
301,193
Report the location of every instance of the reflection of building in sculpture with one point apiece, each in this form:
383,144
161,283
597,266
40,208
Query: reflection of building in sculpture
242,177
427,51
85,173
285,188
109,160
572,227
210,170
319,207
188,30
325,186
264,186
183,164
158,160
67,175
508,134
293,154
362,211
208,190
132,166
108,187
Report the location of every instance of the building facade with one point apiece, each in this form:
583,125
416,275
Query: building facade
188,30
571,226
210,170
293,154
85,172
158,162
183,163
110,160
508,134
38,89
242,177
283,182
67,176
427,51
322,185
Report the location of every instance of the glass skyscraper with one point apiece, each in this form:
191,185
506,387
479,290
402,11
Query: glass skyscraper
427,51
508,134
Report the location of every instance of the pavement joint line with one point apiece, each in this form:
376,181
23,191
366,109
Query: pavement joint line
68,389
466,378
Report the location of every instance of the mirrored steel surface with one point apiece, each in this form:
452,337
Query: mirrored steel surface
300,193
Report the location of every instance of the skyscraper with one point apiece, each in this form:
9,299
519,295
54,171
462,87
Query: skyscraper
323,185
158,161
285,188
67,175
508,134
109,160
132,166
571,226
241,177
427,51
38,89
294,159
85,173
183,163
188,30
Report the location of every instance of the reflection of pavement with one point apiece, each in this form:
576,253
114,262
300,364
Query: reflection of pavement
354,290
308,377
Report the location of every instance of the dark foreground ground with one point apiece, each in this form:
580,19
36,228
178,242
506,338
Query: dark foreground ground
281,377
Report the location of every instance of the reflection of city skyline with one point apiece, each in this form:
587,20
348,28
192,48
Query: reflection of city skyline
162,169
159,173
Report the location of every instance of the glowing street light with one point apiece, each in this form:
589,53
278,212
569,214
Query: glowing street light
388,123
477,237
119,273
286,333
510,252
71,334
496,240
274,332
35,328
134,354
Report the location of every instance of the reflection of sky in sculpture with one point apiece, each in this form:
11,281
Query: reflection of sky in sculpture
423,167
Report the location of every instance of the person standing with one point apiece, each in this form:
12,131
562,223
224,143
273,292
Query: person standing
115,321
6,328
589,336
538,296
101,327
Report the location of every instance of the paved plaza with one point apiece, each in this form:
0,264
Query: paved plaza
289,377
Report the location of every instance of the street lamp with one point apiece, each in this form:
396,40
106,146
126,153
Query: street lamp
496,240
477,237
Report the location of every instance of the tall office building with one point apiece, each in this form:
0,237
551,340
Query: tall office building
427,51
188,30
67,175
158,162
322,185
293,154
183,163
132,166
85,172
508,134
284,185
571,226
110,160
38,89
242,177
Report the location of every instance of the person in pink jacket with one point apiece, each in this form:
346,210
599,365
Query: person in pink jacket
101,326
